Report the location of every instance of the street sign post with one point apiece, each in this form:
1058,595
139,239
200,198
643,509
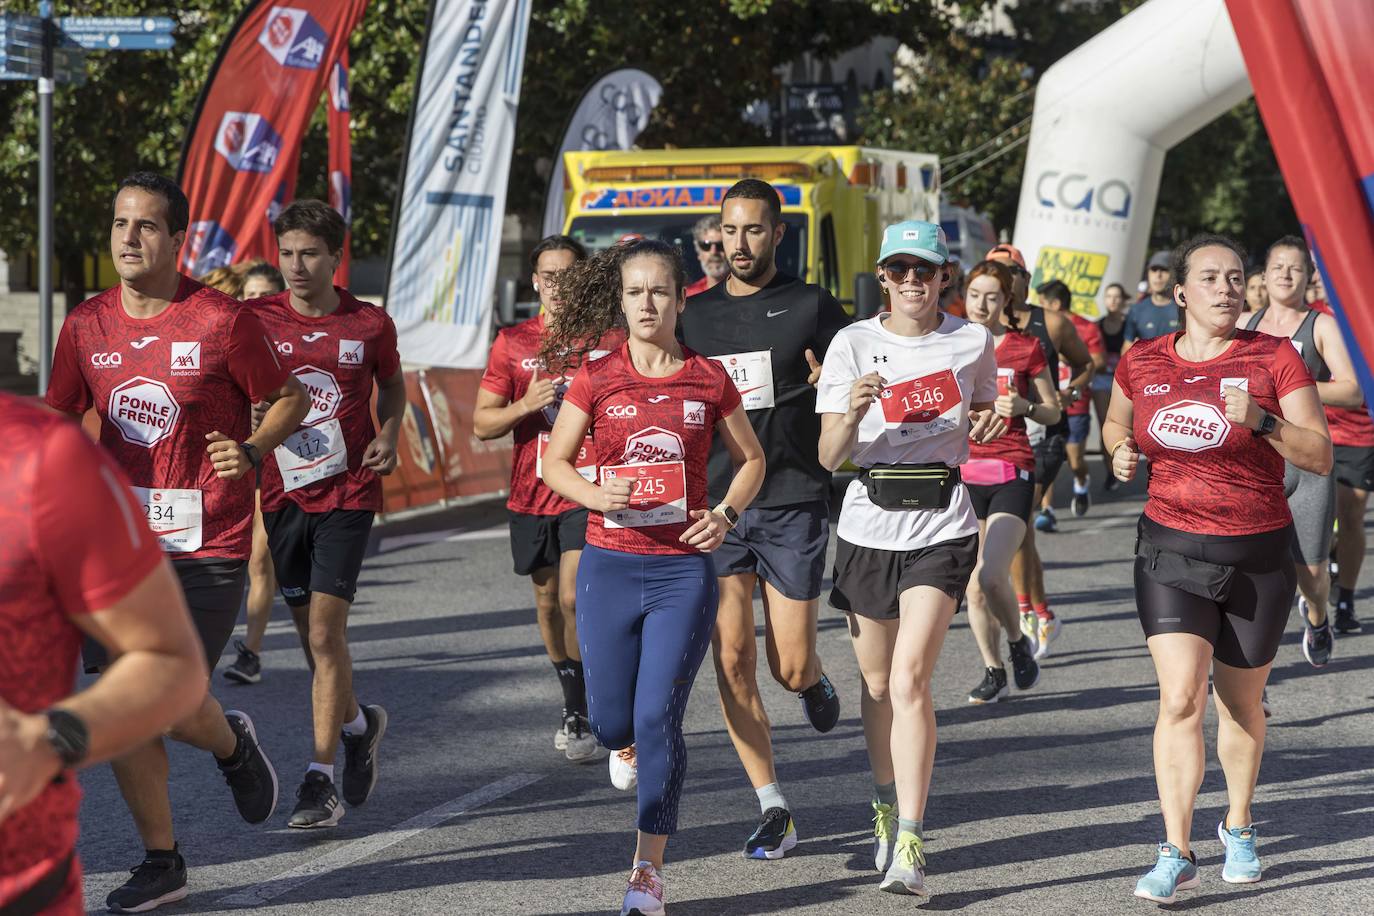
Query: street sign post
53,51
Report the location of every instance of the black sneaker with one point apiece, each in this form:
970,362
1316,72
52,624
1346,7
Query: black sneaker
1080,504
247,668
249,772
774,837
993,688
1025,669
1346,621
360,757
821,704
1316,643
317,804
157,880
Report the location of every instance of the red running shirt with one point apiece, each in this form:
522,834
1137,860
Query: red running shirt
1092,339
336,357
1019,361
663,427
72,540
1350,426
160,385
1206,476
514,358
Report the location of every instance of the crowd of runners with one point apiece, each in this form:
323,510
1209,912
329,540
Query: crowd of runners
673,453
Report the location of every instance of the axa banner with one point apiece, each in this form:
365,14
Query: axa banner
612,113
1309,63
243,147
447,232
340,154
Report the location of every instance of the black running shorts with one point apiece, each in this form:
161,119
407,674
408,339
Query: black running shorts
317,551
1013,497
1049,458
214,591
870,582
783,545
1245,630
537,541
1354,466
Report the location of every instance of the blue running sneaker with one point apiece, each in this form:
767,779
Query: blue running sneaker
1242,864
1045,521
1172,873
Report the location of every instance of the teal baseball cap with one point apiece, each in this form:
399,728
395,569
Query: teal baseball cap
914,237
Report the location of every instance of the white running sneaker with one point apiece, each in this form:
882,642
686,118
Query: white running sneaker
624,769
884,835
644,896
579,744
1028,623
1047,632
560,737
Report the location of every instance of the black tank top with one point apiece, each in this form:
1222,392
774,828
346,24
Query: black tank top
1113,342
1306,339
1035,327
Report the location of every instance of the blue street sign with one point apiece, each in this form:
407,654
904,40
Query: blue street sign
122,41
106,24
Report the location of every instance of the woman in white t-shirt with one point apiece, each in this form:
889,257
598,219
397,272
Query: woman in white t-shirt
902,394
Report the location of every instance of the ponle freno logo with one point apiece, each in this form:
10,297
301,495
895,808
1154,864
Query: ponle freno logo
143,410
1189,426
185,357
248,141
293,38
325,394
653,444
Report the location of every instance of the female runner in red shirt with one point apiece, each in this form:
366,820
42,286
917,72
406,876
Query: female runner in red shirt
1217,411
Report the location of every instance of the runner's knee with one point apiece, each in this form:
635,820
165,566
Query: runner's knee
1181,703
736,664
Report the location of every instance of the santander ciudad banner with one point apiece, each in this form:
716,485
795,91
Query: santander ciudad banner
239,165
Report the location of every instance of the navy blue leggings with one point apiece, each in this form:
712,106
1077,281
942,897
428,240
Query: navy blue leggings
644,623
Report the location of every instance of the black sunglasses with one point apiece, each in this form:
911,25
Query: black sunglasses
712,246
897,271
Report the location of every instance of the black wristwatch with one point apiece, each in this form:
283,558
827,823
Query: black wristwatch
730,514
251,451
1266,424
68,737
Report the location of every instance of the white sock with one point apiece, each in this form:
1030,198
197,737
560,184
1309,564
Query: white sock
358,726
325,768
770,796
1080,487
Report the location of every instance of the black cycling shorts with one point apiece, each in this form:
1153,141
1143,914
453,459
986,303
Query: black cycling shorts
1245,629
1050,455
1015,497
317,551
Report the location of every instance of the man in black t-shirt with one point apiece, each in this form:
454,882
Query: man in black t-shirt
769,330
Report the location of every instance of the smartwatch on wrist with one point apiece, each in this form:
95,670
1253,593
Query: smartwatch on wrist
730,514
1266,424
251,451
67,736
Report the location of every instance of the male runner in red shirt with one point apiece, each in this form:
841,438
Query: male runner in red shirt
75,557
1075,399
172,368
321,487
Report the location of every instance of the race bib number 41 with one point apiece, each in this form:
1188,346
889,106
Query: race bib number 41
658,497
311,453
174,516
922,407
752,374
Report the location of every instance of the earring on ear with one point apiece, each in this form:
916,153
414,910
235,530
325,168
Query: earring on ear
536,287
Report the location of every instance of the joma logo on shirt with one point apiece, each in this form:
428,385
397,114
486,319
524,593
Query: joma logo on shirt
185,357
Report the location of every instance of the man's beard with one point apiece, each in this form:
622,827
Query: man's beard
716,270
759,267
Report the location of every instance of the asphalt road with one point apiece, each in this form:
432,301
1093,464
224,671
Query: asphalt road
1042,804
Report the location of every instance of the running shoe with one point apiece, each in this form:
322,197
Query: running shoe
906,874
560,737
1242,864
1025,670
360,757
993,687
774,837
1029,623
1346,621
580,745
158,879
884,835
644,896
1047,631
1316,641
821,704
1172,873
248,772
624,770
1267,706
247,668
317,804
1045,521
1081,503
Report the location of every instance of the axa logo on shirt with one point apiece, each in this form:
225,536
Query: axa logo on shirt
293,38
620,411
351,353
185,357
248,141
653,444
208,245
694,413
1153,390
1189,426
143,410
325,394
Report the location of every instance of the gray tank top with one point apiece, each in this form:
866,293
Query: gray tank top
1305,339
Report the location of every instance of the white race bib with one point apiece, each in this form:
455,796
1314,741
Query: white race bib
312,453
585,461
659,496
752,374
174,516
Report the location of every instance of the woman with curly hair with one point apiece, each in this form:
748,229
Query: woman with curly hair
646,585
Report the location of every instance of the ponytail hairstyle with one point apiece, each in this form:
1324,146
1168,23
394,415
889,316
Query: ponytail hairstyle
1002,274
590,293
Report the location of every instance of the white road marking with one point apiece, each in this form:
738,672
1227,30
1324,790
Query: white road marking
365,847
451,535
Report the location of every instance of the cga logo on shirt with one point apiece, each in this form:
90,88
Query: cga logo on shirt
621,411
143,410
107,360
1189,426
653,444
325,395
293,38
